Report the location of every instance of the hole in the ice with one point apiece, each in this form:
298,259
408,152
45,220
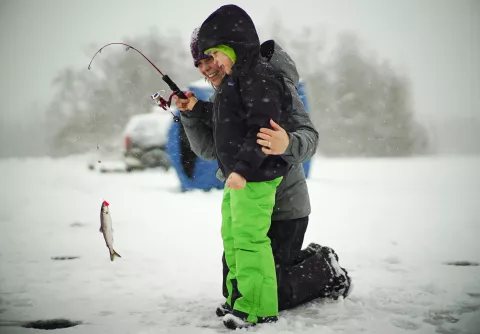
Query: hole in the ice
462,263
64,258
51,324
474,294
77,224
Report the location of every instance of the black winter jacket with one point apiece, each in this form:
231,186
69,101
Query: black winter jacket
246,100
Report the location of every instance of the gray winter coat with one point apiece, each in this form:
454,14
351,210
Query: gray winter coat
292,198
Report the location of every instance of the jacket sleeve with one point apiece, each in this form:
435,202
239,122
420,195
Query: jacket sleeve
261,97
198,127
304,139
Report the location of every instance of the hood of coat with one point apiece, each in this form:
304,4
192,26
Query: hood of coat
232,26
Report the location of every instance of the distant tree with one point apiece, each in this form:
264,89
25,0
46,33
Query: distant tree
23,134
371,112
360,105
68,112
92,107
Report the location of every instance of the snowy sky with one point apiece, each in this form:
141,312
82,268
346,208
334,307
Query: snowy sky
436,41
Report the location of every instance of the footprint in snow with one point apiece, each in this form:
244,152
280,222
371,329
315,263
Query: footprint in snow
405,324
462,263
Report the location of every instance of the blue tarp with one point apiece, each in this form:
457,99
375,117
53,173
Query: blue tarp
203,175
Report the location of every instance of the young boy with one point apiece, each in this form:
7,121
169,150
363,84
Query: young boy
249,96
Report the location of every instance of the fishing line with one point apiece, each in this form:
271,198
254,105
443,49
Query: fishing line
159,100
157,97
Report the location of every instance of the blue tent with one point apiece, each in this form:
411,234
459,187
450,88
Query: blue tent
194,172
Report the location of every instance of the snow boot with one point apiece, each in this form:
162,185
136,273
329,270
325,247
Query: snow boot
342,283
223,310
237,320
313,248
233,322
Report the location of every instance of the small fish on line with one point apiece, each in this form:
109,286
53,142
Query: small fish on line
107,230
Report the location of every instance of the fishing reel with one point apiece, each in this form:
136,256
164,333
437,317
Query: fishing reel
164,104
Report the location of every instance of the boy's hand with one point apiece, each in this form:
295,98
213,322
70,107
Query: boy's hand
236,181
274,142
185,104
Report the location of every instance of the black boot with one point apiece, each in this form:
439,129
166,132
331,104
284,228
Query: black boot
319,275
342,283
223,310
313,248
238,320
233,322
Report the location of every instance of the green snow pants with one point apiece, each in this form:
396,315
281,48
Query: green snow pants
246,219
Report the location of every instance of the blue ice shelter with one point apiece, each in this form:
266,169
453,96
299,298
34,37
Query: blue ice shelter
194,172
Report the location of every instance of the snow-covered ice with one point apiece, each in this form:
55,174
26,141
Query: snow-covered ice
395,224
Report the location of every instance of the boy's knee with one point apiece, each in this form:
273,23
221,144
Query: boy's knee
251,244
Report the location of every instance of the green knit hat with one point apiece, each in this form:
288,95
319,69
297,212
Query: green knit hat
225,49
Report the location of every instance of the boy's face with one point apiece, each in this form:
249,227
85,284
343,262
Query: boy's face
222,60
211,71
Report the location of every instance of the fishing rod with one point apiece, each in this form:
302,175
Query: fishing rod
157,97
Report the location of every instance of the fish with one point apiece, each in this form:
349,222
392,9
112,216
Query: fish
107,230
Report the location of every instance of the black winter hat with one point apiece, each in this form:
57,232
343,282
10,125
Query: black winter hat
196,54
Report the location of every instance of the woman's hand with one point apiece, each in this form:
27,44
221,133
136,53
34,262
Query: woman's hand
274,142
236,181
185,104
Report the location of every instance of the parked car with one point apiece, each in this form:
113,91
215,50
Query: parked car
146,137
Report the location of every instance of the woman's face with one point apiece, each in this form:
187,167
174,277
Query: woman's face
211,71
222,60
